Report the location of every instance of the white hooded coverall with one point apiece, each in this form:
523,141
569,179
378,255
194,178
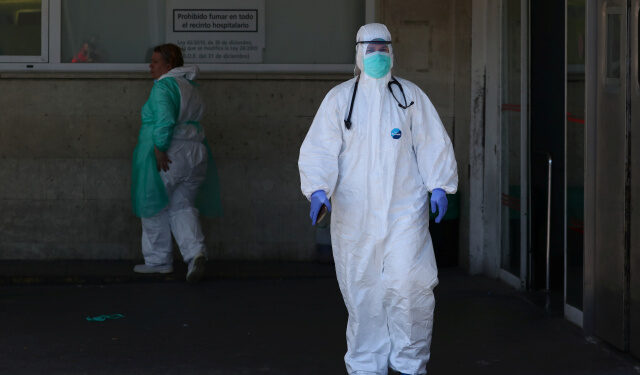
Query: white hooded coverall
379,187
186,173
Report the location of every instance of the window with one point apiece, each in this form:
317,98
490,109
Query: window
326,33
110,31
118,35
23,30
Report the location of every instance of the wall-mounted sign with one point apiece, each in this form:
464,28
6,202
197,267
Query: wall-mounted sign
217,31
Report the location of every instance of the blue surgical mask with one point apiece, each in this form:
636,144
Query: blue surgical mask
378,65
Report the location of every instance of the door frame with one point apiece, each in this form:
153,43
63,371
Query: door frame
522,281
591,105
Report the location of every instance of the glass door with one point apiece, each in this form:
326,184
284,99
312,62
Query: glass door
511,125
574,159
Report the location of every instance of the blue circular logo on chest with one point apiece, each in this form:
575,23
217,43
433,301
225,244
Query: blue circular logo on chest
396,133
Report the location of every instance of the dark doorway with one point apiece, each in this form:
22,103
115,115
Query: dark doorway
547,140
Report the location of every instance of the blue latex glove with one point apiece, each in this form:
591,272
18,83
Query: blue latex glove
439,200
317,200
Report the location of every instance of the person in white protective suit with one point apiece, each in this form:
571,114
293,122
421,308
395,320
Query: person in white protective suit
171,164
377,148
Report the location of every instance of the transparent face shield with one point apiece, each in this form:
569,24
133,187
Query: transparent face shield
368,48
375,46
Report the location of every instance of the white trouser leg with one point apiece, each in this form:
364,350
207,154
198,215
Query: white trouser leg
156,239
359,269
409,277
182,181
184,220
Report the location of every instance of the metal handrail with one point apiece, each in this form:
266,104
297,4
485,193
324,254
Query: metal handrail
547,289
547,286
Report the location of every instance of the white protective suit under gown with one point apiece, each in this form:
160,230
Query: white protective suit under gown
186,173
379,187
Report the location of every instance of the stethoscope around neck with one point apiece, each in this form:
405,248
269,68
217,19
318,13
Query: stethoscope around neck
393,81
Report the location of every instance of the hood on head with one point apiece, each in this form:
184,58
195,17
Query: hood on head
189,72
367,32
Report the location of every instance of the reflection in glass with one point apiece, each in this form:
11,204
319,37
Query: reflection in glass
575,150
20,28
297,32
98,31
510,137
124,31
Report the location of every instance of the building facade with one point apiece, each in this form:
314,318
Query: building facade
540,98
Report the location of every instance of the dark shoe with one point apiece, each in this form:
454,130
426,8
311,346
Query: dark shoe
196,268
145,268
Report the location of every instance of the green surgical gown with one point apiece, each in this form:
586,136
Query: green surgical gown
159,116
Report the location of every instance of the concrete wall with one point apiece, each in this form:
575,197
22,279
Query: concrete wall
65,154
432,48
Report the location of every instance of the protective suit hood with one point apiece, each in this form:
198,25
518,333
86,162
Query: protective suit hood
367,32
189,72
